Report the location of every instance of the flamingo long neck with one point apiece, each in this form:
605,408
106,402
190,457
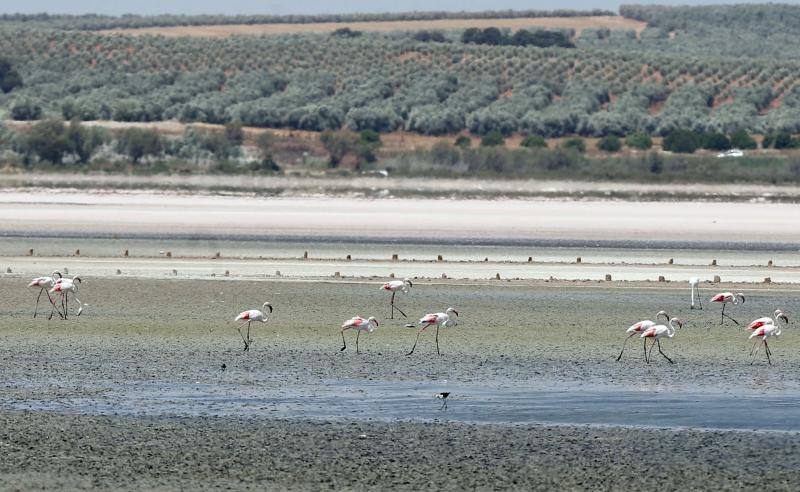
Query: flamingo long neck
670,330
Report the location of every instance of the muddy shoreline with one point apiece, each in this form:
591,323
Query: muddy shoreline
43,450
166,334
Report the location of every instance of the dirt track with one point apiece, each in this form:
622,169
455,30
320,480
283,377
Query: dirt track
577,23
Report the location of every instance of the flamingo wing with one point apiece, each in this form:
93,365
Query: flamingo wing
429,319
759,323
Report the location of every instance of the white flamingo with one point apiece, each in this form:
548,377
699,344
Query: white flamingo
764,333
64,286
725,298
403,286
641,327
248,317
444,319
694,283
359,324
656,332
45,284
766,321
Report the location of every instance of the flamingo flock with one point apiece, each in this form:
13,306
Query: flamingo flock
61,286
761,329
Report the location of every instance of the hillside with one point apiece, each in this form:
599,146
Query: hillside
678,72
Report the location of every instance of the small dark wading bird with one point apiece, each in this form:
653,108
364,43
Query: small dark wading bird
403,286
725,298
248,317
764,328
359,324
656,332
442,396
444,319
639,328
694,283
65,286
45,284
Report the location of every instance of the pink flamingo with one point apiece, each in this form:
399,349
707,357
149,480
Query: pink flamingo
764,333
248,317
725,298
359,324
638,328
64,286
45,284
657,332
403,286
444,319
766,321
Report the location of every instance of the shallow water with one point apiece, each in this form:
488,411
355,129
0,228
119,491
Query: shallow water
414,401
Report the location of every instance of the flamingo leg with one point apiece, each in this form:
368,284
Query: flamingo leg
754,346
417,340
650,352
66,303
358,334
239,329
644,346
437,340
698,298
344,344
722,318
53,308
754,354
248,335
623,346
662,353
444,404
766,350
736,322
37,301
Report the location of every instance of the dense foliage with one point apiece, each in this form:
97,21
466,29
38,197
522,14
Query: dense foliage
681,73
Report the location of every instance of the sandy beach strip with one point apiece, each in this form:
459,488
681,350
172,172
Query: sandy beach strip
447,221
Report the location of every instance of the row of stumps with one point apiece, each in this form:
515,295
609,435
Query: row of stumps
395,257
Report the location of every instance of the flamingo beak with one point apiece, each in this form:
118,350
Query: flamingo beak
410,284
784,317
455,312
270,308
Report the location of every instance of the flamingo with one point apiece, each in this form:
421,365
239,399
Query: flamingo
725,298
656,333
45,284
249,316
444,319
64,286
766,321
694,283
638,328
359,324
763,333
403,286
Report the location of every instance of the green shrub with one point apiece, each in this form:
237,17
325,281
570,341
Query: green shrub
682,141
534,142
609,144
463,142
639,140
715,141
575,143
492,139
742,140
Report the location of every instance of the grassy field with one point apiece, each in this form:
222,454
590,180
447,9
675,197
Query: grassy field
576,23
